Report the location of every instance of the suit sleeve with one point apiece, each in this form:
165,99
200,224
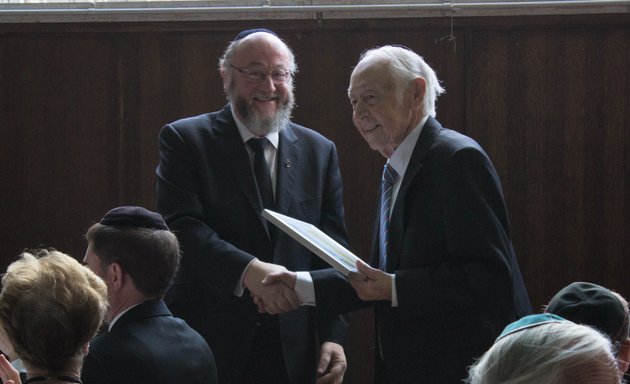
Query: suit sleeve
332,327
473,267
179,200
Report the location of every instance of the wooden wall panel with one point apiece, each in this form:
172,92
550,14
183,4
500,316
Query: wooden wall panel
59,140
163,77
81,106
553,113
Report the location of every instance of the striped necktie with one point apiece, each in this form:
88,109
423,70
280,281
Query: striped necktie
387,184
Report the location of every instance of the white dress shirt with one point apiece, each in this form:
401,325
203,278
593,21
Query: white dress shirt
271,152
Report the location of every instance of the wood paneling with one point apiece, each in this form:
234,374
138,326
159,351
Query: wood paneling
547,97
59,139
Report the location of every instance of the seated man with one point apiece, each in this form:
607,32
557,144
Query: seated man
50,308
547,349
598,307
133,250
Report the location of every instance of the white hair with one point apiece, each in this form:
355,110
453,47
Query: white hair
549,353
405,66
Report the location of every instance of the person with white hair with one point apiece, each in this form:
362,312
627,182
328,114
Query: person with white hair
547,349
443,277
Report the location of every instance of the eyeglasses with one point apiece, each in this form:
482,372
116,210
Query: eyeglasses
278,76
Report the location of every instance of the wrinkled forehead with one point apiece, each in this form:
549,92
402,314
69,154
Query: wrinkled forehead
370,74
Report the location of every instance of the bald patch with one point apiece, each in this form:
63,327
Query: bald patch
262,41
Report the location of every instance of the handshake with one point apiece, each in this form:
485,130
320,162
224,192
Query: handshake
272,286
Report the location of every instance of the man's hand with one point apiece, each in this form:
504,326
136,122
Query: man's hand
281,282
275,299
332,364
270,298
288,278
371,283
8,374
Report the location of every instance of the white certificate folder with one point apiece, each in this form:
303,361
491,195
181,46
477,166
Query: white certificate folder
315,240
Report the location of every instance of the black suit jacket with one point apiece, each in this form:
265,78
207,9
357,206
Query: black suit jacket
148,345
457,279
207,193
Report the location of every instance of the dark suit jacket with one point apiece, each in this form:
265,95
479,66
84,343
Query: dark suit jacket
457,278
148,345
207,193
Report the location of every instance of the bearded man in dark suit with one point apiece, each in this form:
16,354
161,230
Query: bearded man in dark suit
213,182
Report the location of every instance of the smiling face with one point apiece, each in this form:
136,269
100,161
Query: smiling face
265,106
383,114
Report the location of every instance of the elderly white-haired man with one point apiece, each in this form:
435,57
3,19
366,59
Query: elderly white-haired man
444,279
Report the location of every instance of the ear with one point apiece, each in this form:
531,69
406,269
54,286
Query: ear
226,79
419,89
623,356
115,276
86,349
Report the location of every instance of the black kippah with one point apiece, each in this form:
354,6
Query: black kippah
137,217
591,304
248,32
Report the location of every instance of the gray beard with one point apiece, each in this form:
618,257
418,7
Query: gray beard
259,125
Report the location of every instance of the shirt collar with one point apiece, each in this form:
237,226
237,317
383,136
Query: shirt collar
246,134
118,316
401,156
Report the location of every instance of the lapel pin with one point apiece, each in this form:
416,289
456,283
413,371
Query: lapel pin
287,164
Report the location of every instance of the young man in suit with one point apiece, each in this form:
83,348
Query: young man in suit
213,182
443,279
137,256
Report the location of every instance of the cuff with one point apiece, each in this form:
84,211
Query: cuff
305,289
394,293
240,287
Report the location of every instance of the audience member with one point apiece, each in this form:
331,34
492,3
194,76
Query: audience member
596,306
50,308
442,262
217,172
137,256
547,349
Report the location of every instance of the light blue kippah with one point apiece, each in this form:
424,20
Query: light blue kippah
529,322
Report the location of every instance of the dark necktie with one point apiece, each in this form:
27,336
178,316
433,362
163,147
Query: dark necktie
387,184
261,170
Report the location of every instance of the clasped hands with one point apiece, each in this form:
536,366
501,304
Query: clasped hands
272,286
274,297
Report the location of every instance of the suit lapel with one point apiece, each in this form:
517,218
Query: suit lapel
287,169
234,156
429,132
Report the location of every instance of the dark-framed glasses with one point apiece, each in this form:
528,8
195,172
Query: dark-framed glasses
278,76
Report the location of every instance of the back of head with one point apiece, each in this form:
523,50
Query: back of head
50,307
404,66
141,243
552,351
593,305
